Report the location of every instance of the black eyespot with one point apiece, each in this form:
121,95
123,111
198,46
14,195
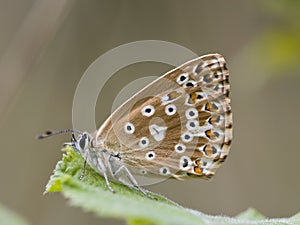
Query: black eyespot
129,128
182,78
189,84
187,136
192,124
185,163
164,170
170,109
180,148
148,110
150,155
191,113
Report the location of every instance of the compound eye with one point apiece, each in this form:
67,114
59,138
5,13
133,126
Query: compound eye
82,141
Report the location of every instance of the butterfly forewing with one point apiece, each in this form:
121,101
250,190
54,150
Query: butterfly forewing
180,124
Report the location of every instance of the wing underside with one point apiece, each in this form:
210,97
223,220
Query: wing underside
179,125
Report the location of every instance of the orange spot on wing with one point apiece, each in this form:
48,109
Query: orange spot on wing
198,162
193,98
197,170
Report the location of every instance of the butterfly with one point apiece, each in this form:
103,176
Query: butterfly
178,126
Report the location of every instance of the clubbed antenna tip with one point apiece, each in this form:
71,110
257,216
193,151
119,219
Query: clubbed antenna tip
44,135
52,133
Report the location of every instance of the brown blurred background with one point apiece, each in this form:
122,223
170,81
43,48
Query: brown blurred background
45,47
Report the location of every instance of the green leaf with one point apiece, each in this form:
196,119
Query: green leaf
8,217
296,218
91,194
251,214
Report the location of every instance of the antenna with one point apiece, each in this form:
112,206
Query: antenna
52,133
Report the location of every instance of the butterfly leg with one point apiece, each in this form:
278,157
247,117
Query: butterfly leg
84,166
103,172
83,170
119,172
107,183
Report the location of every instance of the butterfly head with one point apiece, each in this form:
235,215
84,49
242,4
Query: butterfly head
83,142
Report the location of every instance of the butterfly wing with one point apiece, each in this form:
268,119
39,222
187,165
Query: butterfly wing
180,124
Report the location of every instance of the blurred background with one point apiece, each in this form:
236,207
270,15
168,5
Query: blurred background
45,47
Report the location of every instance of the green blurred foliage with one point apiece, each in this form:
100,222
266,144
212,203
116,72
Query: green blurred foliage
8,217
92,195
278,47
